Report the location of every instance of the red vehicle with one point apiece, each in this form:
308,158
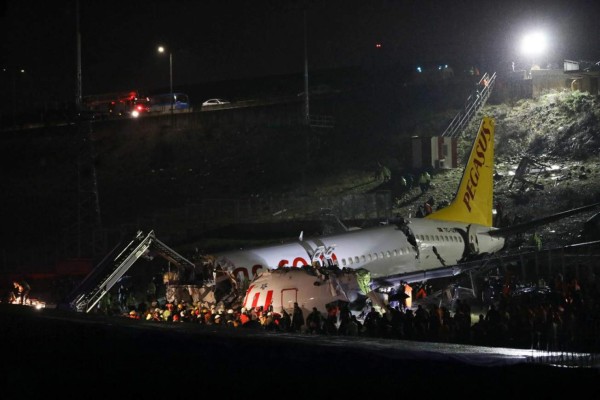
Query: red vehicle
120,104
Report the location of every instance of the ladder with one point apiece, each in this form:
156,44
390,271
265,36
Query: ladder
104,276
474,103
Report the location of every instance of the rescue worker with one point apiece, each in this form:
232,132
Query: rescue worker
424,181
536,240
499,218
314,321
297,318
407,303
383,173
402,185
427,209
22,291
151,290
410,179
105,304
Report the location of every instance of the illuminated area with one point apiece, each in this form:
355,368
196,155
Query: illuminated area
534,43
35,303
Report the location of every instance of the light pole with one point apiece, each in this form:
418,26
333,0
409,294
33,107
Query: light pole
161,49
534,46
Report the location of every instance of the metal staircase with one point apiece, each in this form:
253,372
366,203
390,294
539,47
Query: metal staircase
474,103
89,292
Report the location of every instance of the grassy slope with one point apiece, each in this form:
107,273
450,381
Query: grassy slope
559,130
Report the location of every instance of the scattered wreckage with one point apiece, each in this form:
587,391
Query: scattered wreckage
204,283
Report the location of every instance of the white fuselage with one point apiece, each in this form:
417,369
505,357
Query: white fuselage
383,251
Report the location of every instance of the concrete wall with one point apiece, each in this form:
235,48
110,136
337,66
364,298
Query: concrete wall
544,80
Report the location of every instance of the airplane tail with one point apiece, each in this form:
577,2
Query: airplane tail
474,199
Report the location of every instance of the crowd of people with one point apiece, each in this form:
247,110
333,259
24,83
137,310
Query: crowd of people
563,317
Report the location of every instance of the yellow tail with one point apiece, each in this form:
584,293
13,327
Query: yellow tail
474,200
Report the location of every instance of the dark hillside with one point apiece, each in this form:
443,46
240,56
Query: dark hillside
146,175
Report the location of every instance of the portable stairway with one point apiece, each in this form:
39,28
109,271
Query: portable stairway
102,278
474,103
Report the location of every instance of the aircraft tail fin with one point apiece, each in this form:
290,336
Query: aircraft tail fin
474,199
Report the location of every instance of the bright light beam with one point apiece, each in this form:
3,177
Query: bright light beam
534,44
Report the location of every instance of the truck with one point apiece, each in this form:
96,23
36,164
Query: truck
130,104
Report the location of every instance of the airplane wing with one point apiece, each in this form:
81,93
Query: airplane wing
527,226
394,280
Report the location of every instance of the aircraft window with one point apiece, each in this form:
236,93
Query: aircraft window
395,252
344,262
381,254
388,254
370,257
437,238
364,258
356,260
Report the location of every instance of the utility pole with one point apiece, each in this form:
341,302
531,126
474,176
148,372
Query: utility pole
306,95
306,124
88,220
79,85
171,82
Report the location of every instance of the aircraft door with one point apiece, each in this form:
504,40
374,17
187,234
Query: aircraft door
288,298
472,241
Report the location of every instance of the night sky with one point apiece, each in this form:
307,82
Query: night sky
222,40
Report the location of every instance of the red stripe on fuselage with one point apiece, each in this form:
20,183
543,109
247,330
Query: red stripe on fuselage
268,299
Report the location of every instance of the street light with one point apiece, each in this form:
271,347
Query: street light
533,46
534,43
161,49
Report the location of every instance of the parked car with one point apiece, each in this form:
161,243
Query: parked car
214,102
